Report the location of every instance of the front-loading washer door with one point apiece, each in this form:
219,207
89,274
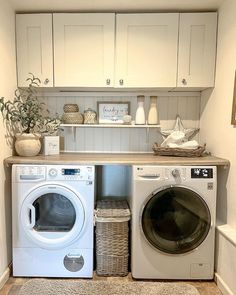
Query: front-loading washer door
175,220
52,216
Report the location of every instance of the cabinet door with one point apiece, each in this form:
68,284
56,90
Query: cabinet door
146,50
84,49
34,48
197,49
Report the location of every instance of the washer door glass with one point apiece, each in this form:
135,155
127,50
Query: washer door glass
52,216
176,220
54,212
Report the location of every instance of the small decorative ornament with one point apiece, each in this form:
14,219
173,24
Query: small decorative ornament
127,119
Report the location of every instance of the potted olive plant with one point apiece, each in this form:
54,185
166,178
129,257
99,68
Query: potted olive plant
28,118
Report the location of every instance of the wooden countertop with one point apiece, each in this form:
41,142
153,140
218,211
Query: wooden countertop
116,159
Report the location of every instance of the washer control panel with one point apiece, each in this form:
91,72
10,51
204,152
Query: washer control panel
201,172
177,173
174,174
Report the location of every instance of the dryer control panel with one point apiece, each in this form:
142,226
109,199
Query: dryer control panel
30,173
70,172
37,173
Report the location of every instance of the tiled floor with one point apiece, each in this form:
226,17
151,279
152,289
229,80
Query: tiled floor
13,285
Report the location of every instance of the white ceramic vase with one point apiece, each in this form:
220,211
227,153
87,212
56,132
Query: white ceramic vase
140,113
153,114
28,144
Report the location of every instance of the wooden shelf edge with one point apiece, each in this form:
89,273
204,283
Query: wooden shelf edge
109,126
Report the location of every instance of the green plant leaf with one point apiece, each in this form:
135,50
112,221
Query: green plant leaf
26,112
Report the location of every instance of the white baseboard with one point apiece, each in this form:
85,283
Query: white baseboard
4,277
222,285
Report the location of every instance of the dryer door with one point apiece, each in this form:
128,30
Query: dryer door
175,220
52,216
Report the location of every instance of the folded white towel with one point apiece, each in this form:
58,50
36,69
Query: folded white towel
192,144
175,137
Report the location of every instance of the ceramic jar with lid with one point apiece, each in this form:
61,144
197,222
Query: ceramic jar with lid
90,116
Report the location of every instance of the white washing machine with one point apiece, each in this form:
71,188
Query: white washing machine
173,222
52,211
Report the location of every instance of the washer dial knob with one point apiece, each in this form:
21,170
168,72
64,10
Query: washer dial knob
175,173
52,172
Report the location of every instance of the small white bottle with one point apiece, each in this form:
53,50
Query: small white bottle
152,114
140,113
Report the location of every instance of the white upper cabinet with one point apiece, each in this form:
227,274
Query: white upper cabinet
84,49
146,50
197,50
34,48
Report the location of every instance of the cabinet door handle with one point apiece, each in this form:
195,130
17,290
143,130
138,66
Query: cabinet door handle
121,81
184,82
108,81
46,81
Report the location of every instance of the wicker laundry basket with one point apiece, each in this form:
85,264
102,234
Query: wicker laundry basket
112,238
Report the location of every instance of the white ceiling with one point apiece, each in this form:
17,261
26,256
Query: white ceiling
114,5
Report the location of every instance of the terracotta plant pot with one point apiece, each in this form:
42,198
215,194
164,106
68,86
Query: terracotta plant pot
28,144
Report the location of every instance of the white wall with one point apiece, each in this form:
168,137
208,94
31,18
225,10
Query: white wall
7,87
217,131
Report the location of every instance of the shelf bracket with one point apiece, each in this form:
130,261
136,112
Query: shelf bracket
147,135
74,133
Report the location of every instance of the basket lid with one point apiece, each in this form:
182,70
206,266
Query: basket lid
112,208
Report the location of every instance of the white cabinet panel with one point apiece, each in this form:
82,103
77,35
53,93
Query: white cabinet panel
144,47
197,49
34,48
146,50
84,49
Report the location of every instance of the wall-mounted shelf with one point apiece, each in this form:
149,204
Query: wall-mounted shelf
110,126
74,126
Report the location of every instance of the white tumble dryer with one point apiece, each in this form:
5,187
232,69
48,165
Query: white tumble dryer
52,211
173,222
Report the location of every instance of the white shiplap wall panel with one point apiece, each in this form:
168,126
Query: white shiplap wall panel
126,139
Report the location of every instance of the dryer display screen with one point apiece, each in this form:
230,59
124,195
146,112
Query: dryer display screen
70,171
201,173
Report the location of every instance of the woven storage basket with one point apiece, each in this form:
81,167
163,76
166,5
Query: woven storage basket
71,108
112,240
72,118
177,152
112,265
